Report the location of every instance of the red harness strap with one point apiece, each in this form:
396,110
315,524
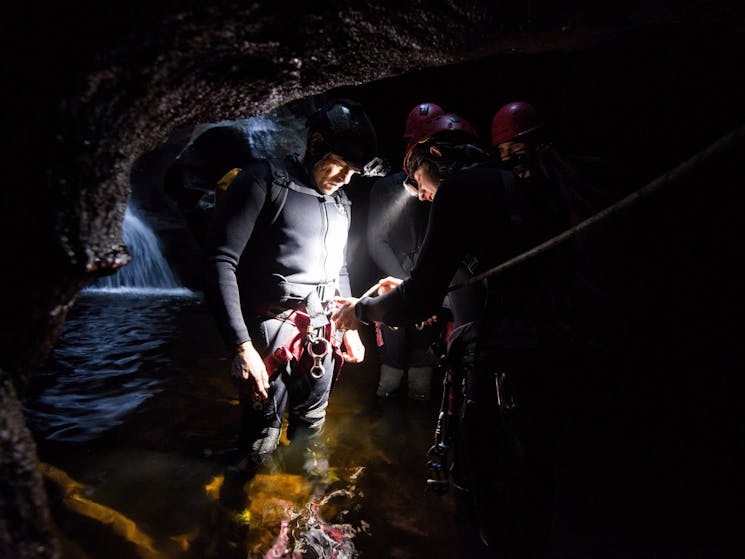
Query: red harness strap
379,334
294,346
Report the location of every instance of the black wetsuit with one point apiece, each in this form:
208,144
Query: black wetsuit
276,245
397,223
480,218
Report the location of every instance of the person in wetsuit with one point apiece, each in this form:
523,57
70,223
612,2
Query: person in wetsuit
275,260
523,143
505,346
396,224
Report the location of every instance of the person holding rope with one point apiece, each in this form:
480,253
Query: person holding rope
275,261
524,145
505,351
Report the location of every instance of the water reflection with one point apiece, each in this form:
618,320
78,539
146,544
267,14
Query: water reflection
108,361
136,407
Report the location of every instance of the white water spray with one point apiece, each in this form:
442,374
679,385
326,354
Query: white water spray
148,272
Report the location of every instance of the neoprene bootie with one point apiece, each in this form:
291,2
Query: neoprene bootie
390,381
420,383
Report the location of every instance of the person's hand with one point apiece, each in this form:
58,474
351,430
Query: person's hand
427,322
388,284
249,371
344,318
355,348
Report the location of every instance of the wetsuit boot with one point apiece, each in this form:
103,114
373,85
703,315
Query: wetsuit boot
390,381
420,383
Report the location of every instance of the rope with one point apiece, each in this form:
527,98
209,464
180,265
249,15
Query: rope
703,158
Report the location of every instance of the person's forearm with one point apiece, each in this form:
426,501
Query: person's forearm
223,298
387,309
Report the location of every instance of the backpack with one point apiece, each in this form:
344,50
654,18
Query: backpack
207,167
192,177
276,193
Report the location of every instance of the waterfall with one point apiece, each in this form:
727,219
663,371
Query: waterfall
148,271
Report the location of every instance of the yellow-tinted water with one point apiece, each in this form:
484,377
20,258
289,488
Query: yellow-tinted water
137,421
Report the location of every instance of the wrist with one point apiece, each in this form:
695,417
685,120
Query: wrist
359,313
242,348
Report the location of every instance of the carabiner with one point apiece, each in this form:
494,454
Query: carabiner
437,481
318,348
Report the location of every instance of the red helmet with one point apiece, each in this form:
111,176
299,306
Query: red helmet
440,128
419,117
514,120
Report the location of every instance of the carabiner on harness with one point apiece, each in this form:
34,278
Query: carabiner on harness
318,348
437,481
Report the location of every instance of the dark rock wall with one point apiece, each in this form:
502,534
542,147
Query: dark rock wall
91,88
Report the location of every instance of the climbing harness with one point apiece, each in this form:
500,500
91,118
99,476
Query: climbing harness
314,334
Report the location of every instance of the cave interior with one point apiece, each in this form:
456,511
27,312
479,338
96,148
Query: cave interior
658,414
658,386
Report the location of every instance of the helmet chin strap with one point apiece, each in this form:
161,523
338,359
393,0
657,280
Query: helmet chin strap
520,164
317,149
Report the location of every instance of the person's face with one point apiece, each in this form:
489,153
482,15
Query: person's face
517,156
424,179
331,172
427,180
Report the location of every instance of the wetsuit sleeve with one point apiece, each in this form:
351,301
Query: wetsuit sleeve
344,287
379,230
232,224
445,243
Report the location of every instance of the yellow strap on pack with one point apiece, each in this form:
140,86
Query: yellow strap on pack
224,182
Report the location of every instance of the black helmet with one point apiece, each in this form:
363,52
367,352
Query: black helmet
348,132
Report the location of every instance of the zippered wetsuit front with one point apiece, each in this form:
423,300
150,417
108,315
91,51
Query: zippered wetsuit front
267,255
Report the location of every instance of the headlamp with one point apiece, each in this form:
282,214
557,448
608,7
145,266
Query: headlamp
376,167
411,186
